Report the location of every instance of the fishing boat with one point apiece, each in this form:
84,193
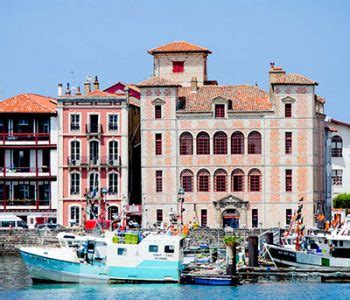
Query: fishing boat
154,258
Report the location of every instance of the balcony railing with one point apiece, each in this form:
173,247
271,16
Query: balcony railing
94,129
24,202
85,161
24,136
8,171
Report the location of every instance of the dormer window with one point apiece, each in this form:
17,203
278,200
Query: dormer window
178,66
220,111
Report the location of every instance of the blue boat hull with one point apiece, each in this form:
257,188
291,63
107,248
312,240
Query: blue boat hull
212,281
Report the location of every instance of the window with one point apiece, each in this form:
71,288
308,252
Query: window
254,143
220,111
93,184
113,122
237,180
237,143
289,181
203,143
186,144
169,249
203,181
178,66
159,215
113,184
157,111
94,152
220,180
255,218
159,181
288,216
121,251
113,153
74,215
74,122
153,248
337,177
254,180
75,184
74,151
220,143
288,110
337,146
288,143
158,144
187,180
204,218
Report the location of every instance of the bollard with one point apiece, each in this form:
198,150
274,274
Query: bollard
253,251
269,238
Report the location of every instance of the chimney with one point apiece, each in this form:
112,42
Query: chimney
194,84
87,87
96,84
60,90
78,93
68,91
275,72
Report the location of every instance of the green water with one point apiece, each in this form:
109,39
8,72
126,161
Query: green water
16,284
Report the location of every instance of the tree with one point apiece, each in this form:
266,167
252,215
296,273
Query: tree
231,243
341,201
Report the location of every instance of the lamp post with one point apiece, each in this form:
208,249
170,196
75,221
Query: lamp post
180,200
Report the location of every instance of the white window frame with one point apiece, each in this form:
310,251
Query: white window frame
109,174
70,184
70,122
70,220
117,123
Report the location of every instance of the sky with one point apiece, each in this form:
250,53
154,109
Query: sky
50,41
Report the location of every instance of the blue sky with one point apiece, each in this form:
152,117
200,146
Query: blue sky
43,42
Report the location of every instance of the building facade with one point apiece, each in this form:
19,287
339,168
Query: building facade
97,133
28,163
230,155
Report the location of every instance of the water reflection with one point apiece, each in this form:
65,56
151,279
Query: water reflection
13,273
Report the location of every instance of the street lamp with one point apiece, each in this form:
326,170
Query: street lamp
180,200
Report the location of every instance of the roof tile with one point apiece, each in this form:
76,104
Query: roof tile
297,79
178,46
157,81
28,103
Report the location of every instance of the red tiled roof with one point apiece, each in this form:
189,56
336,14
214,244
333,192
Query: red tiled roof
245,98
295,79
320,99
340,123
157,81
179,46
92,94
28,103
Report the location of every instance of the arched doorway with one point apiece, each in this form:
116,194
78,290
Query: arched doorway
230,218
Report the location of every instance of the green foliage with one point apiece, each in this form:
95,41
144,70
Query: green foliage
342,201
230,240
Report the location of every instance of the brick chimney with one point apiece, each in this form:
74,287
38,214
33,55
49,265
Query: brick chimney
78,93
87,87
194,84
96,84
275,72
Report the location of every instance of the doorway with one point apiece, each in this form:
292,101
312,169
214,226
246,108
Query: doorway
230,218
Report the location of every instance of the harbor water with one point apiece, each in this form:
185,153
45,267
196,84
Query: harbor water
16,284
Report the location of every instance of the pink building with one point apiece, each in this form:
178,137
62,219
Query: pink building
97,134
232,155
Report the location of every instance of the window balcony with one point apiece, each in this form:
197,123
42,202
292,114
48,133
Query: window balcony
97,161
7,137
24,171
94,130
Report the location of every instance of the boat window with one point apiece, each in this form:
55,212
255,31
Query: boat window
325,241
8,223
153,248
121,251
335,243
169,249
341,243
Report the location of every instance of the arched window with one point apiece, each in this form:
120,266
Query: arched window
113,156
94,152
254,180
186,144
93,184
220,178
237,143
187,180
113,212
337,146
74,151
203,180
203,143
254,143
237,178
113,183
74,183
74,215
220,143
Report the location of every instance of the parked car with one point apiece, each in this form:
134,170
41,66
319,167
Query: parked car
49,226
12,222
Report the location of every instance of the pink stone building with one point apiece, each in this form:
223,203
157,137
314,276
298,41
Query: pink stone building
97,134
241,156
